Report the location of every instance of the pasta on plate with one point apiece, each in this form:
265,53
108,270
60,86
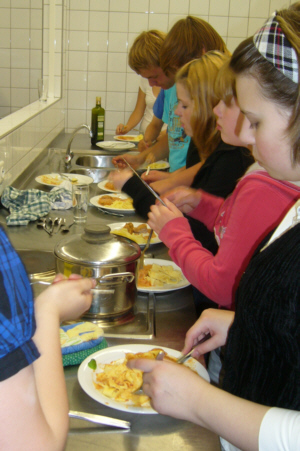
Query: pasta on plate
118,382
158,276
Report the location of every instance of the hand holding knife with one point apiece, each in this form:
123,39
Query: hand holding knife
146,184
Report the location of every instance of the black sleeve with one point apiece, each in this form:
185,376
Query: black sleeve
221,172
142,197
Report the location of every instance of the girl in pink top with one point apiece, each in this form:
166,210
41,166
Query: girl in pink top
243,220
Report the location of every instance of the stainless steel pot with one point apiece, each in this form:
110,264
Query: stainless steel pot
110,259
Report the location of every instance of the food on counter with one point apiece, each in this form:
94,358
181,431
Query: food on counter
118,203
109,185
131,138
56,179
158,276
120,383
51,179
138,234
157,165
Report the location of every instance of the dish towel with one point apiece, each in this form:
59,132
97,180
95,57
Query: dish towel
80,340
32,204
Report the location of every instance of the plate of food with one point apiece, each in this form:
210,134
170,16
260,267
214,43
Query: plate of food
159,276
129,138
118,203
160,165
57,179
135,231
115,146
107,185
98,372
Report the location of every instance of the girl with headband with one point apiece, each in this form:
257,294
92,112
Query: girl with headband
258,203
260,407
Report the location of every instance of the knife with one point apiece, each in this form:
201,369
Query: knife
146,184
100,419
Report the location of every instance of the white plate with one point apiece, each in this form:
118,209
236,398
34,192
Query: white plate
81,179
162,166
120,225
182,284
115,146
102,184
129,138
94,201
108,355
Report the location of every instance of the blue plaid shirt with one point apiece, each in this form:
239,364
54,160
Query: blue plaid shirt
17,323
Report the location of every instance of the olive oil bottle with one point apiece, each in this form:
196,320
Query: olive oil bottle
98,118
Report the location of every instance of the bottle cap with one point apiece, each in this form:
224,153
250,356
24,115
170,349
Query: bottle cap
98,100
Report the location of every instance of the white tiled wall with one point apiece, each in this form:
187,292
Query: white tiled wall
20,53
28,131
100,33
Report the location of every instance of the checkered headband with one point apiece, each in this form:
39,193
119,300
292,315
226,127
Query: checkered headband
272,44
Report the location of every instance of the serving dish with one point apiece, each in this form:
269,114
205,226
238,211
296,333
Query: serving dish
108,355
108,258
129,138
57,179
102,186
119,225
114,146
170,287
94,201
160,165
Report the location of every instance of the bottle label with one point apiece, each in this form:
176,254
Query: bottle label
100,131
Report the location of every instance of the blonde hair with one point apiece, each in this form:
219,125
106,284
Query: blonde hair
188,39
198,79
145,50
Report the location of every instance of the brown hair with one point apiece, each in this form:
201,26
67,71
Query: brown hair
145,50
198,79
225,84
274,85
188,39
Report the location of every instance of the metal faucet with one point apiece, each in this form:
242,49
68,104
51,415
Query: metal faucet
69,154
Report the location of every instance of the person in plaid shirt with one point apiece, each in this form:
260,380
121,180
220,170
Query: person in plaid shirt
33,398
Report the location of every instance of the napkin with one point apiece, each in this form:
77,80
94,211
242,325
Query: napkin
32,204
80,340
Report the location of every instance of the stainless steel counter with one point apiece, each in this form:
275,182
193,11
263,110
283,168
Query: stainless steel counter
174,315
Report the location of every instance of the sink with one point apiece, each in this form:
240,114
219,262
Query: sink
95,161
96,166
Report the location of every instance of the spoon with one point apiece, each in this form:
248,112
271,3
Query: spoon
43,223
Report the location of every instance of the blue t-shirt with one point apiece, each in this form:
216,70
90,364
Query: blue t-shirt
158,107
178,141
17,323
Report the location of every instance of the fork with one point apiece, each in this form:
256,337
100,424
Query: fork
186,356
142,257
160,356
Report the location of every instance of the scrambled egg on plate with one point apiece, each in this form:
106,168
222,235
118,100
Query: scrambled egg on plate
118,203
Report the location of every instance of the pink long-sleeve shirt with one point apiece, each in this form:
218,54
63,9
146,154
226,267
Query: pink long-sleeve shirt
240,223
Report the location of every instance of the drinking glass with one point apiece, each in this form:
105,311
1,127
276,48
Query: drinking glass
80,202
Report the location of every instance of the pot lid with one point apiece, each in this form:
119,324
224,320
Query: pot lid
96,246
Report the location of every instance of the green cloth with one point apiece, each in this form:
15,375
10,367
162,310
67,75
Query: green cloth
75,358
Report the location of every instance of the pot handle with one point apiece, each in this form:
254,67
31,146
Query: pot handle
124,276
